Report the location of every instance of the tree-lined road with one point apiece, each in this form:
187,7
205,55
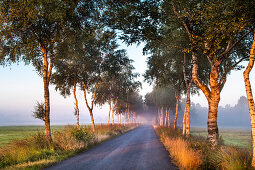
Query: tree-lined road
137,149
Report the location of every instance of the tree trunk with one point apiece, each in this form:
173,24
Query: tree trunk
176,109
213,102
183,122
76,105
187,113
131,116
113,111
109,115
120,118
168,119
187,106
92,120
161,117
165,118
47,109
250,99
213,97
112,117
92,104
46,77
125,117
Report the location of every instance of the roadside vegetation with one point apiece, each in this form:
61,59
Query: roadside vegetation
195,152
35,151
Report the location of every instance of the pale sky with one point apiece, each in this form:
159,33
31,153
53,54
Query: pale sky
21,87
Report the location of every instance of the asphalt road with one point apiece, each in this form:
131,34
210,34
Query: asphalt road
137,149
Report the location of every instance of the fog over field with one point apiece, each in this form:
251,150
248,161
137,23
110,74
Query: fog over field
236,116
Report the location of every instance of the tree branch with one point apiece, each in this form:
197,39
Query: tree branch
168,45
182,20
223,77
229,48
94,97
196,79
85,97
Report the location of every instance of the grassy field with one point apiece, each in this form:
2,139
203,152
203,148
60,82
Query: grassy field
236,137
10,133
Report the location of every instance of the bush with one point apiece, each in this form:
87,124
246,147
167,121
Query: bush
72,138
29,149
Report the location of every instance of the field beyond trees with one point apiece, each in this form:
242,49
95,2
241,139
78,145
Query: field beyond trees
235,137
10,133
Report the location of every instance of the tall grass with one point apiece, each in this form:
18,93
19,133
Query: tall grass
230,157
196,153
180,150
64,143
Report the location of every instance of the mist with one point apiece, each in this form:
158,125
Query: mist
236,116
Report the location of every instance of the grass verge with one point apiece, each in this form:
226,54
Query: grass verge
35,152
196,153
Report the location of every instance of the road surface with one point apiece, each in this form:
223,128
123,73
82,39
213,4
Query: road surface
137,149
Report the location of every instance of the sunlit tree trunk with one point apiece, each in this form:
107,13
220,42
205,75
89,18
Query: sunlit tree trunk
169,124
187,113
161,117
92,104
183,122
166,118
213,102
187,106
250,99
46,79
176,109
118,118
76,106
213,97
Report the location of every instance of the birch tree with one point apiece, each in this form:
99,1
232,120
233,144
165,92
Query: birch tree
31,31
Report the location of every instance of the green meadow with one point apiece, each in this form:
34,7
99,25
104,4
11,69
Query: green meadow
235,137
10,133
